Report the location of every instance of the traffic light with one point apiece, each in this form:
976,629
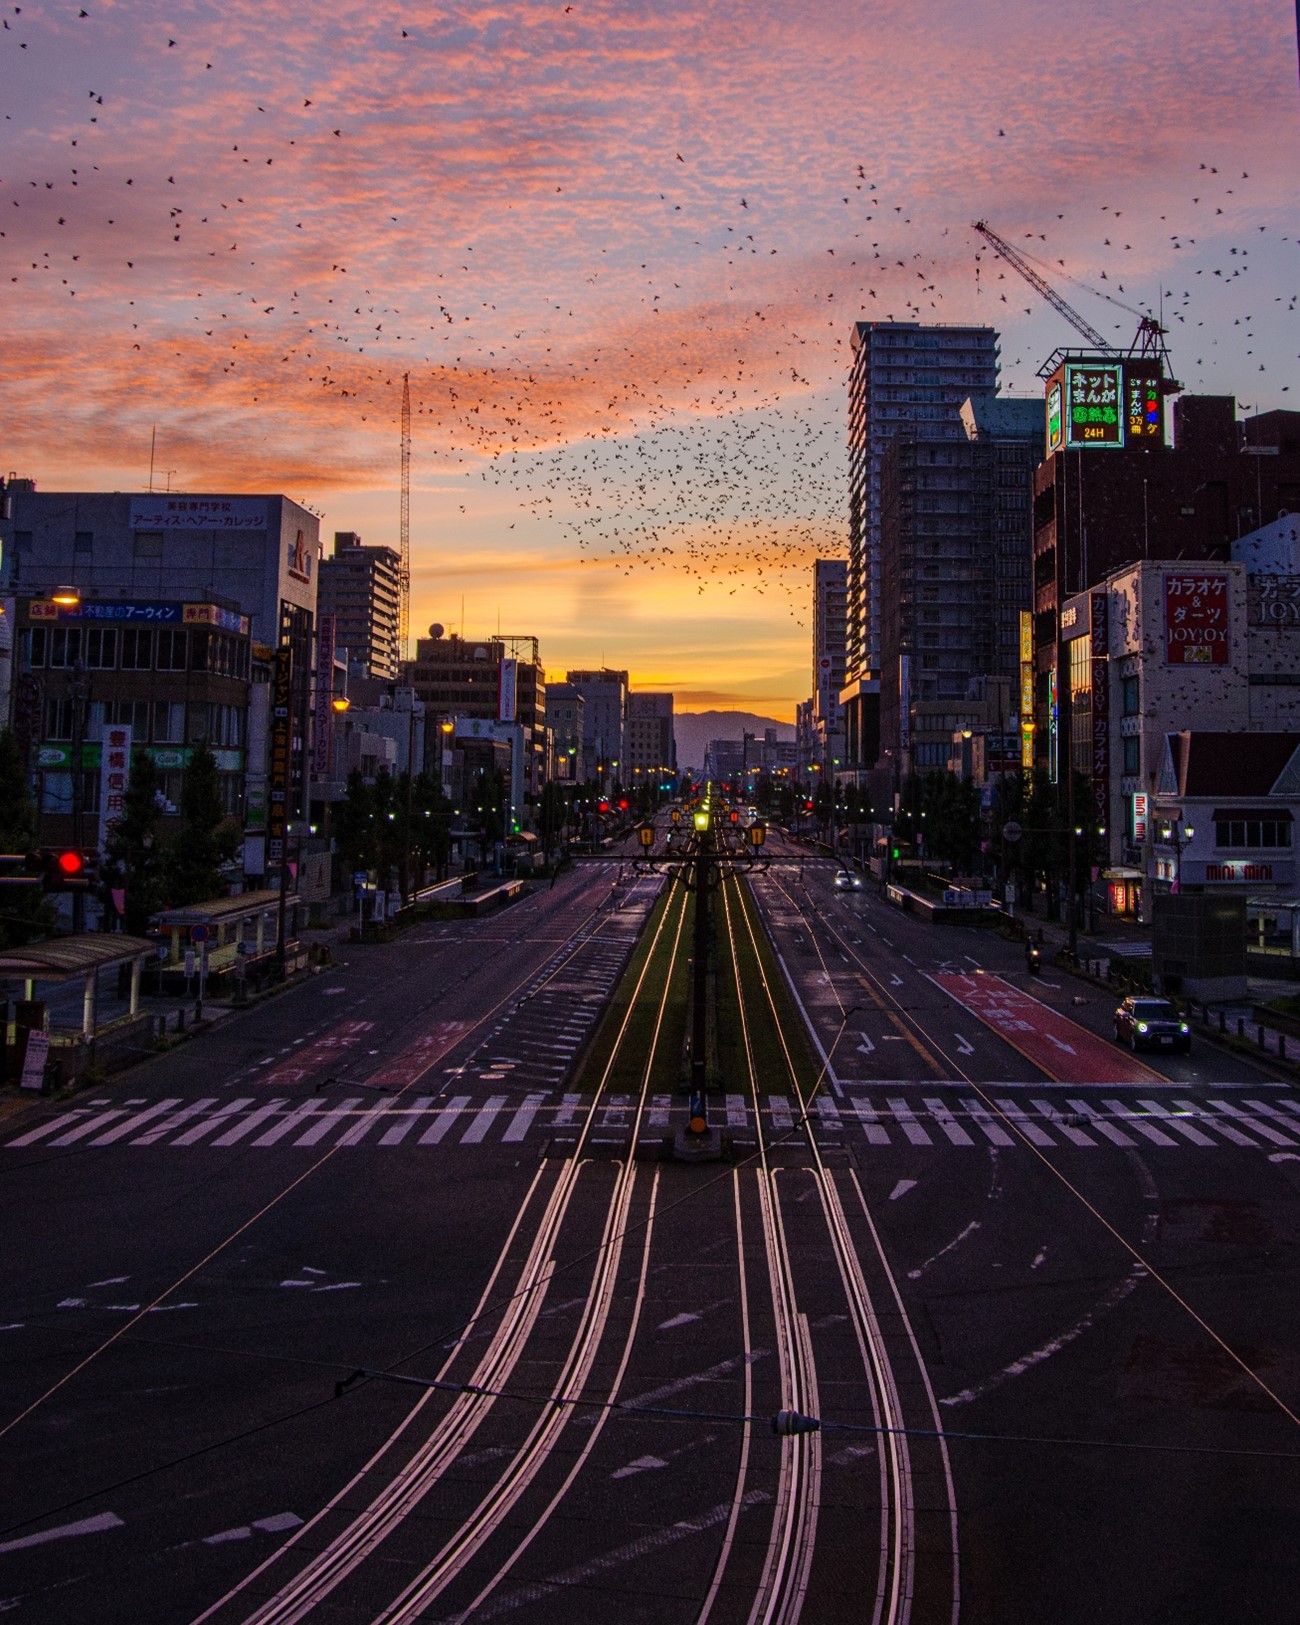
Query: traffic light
603,806
64,868
622,806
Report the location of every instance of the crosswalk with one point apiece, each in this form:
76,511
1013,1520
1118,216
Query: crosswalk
462,1114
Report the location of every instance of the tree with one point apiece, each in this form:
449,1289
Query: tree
135,860
25,911
200,847
354,824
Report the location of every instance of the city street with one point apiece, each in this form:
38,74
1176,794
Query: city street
1094,1257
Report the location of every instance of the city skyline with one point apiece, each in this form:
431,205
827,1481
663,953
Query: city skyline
620,254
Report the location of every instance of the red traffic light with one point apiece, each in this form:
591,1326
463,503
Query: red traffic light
622,806
603,806
69,864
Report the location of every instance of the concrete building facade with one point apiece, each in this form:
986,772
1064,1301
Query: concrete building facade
359,605
905,376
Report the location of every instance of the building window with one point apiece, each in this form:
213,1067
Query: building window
83,541
1132,753
64,646
1252,832
58,719
172,646
137,648
1129,696
168,722
38,639
148,544
101,647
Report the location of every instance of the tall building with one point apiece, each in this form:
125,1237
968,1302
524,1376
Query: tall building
497,689
650,753
955,548
605,695
1101,505
134,558
565,719
1008,441
904,376
359,602
825,742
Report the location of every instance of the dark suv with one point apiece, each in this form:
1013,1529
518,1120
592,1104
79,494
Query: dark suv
1152,1024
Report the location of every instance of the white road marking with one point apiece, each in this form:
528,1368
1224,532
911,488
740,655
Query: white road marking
84,1526
947,1122
919,1271
1031,1131
1168,1118
964,1045
907,1122
399,1131
193,1135
253,1120
175,1120
866,1113
1076,1135
292,1121
901,1189
1115,1135
522,1120
782,1120
483,1120
55,1123
328,1120
1256,1127
132,1123
444,1120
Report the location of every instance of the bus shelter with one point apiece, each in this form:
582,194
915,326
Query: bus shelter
49,969
230,937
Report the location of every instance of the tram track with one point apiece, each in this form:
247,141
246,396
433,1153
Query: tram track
512,1304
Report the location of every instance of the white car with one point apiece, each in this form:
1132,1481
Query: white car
847,880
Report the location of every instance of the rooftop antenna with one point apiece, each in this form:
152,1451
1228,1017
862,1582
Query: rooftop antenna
153,441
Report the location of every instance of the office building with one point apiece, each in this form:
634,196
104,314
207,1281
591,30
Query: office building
604,693
137,559
650,754
566,722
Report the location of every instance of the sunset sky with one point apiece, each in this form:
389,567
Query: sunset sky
619,249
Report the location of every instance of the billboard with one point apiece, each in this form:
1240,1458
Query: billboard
507,690
1105,402
1093,394
1196,618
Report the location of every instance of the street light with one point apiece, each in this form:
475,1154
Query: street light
1177,834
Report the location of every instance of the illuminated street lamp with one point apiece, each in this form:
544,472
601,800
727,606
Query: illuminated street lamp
66,597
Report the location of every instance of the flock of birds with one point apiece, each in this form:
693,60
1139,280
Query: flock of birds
683,412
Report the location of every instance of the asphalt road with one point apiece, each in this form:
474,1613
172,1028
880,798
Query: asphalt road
1100,1278
1099,1257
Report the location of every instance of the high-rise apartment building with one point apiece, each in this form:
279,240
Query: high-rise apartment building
360,588
830,597
904,376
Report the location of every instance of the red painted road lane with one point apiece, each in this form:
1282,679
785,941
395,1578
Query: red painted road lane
414,1061
1066,1052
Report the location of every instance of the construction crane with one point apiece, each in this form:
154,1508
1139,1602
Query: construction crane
404,572
1150,337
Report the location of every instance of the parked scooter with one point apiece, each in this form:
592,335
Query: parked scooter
1033,959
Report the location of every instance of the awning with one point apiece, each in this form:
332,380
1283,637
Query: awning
63,958
1121,873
